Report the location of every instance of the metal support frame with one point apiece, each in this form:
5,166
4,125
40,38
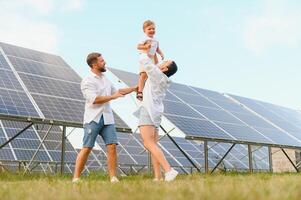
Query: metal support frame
250,156
36,152
63,149
293,164
19,133
182,151
221,160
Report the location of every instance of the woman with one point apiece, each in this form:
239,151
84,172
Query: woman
150,112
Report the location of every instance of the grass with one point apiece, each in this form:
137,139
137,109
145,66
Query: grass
96,186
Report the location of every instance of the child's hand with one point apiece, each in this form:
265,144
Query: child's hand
148,46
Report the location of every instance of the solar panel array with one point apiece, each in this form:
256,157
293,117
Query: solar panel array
208,114
133,158
42,85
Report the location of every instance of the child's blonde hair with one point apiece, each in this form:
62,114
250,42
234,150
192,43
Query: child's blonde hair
148,23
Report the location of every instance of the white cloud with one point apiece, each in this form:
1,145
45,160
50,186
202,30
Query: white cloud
70,5
42,6
23,22
278,26
28,33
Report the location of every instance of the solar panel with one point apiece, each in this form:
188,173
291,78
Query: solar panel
288,120
30,54
239,122
13,99
56,97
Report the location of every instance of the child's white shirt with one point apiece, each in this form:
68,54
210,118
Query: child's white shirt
154,44
152,51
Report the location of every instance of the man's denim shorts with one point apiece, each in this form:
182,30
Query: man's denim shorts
107,132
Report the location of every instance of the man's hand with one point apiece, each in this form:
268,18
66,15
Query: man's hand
126,91
117,95
162,56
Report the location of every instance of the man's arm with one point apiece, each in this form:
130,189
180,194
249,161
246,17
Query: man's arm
129,90
104,99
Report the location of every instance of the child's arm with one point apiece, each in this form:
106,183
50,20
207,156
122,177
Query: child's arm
142,79
160,52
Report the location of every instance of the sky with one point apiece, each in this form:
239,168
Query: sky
247,48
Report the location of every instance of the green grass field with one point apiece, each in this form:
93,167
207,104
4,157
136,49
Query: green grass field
96,186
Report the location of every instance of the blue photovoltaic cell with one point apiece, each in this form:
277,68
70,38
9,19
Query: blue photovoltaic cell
32,54
3,63
196,127
128,78
193,99
243,133
9,81
181,87
217,115
261,130
52,87
180,109
16,103
60,108
273,115
43,69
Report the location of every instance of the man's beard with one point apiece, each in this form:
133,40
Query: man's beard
103,69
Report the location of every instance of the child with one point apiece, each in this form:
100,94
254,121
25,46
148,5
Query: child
150,46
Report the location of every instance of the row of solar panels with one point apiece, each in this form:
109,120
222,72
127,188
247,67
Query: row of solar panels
207,114
131,153
42,85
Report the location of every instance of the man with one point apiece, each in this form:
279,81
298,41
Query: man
98,117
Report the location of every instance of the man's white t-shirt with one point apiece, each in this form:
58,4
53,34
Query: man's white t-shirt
91,87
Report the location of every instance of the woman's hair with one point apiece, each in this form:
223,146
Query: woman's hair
148,23
172,69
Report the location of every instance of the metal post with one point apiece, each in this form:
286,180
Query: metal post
8,141
270,159
63,149
250,158
182,151
206,156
